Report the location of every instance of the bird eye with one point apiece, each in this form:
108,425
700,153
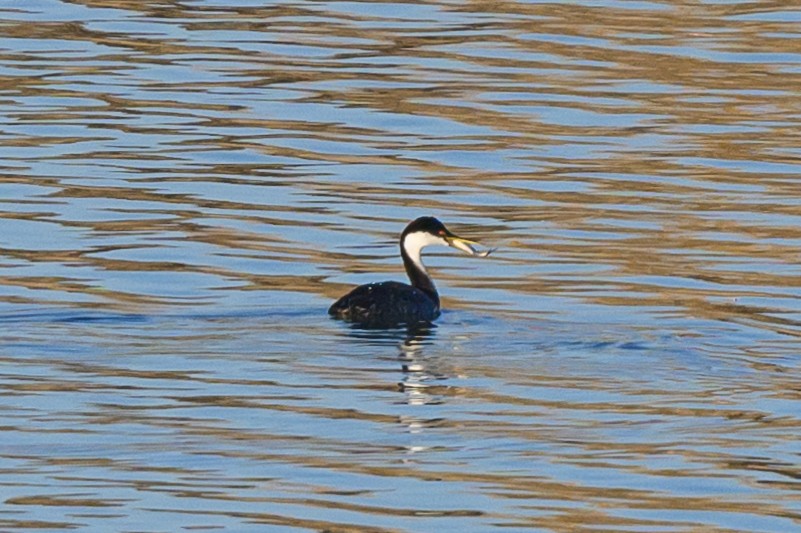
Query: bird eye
442,232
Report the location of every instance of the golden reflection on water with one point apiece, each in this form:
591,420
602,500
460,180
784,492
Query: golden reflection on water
185,186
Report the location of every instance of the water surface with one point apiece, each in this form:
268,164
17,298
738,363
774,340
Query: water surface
186,186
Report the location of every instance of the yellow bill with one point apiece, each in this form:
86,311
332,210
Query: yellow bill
467,246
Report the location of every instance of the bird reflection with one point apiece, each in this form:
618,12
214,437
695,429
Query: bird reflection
417,371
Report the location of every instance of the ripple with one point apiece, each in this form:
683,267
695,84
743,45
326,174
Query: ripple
185,189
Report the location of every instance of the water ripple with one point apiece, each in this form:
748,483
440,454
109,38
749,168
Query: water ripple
185,187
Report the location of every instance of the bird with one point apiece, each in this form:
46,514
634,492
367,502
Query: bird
391,303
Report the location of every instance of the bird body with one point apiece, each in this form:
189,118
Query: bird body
387,302
391,303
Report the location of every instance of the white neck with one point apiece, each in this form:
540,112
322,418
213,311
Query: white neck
414,243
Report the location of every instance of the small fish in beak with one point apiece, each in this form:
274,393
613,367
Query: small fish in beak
467,246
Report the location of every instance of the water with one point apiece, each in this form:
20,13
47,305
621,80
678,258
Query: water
186,186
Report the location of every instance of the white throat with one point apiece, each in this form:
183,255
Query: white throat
414,243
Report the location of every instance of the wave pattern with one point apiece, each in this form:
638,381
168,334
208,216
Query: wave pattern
184,187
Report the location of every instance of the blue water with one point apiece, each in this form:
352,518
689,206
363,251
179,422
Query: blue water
185,188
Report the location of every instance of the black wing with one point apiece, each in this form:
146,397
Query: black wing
388,303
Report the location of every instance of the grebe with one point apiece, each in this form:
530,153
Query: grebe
391,303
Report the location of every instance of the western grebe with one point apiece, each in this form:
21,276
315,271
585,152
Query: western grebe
391,303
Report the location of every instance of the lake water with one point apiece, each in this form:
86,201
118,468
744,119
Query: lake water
186,186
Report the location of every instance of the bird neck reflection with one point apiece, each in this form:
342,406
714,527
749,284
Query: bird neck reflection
417,373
